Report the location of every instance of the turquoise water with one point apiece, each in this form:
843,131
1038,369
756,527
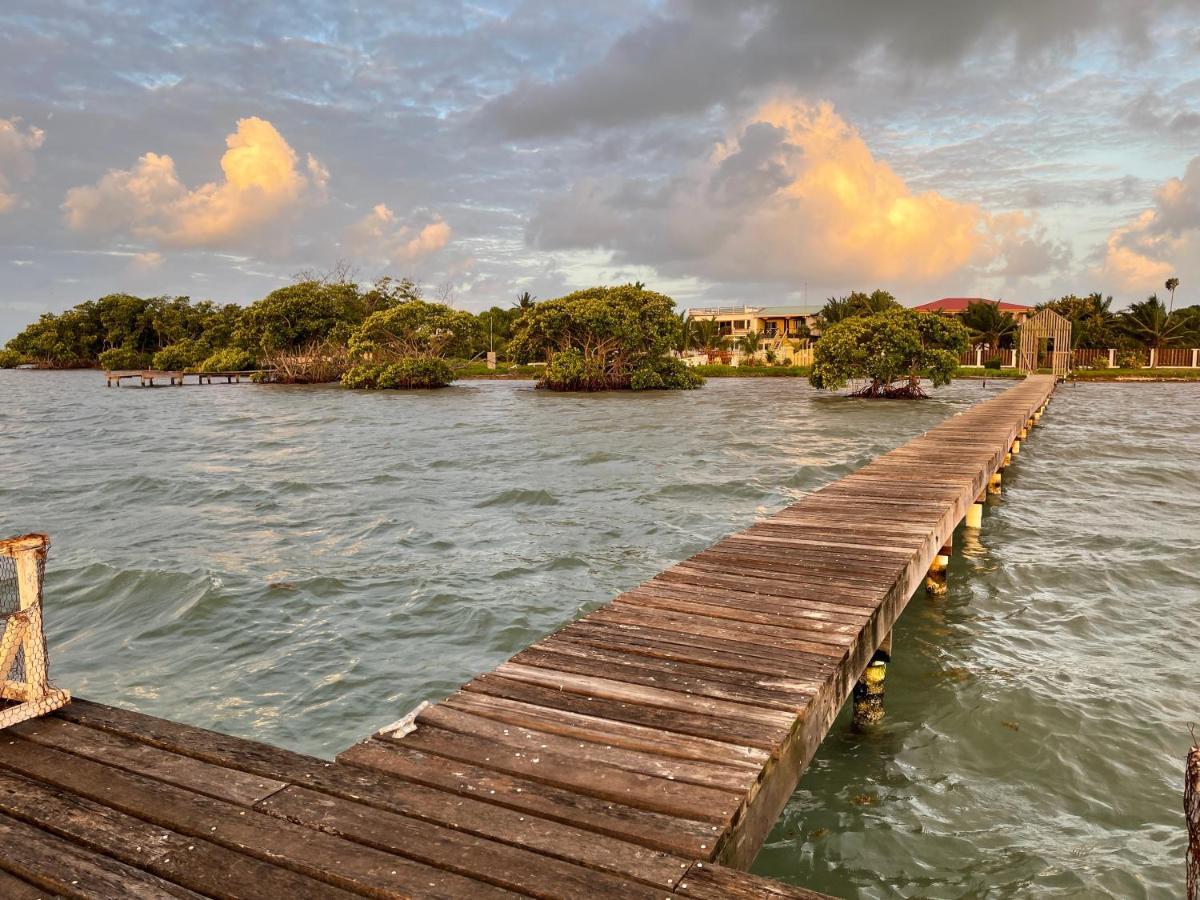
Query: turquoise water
304,565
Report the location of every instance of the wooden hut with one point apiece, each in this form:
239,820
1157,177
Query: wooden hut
1045,337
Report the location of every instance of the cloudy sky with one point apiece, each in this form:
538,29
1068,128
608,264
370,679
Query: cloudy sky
760,150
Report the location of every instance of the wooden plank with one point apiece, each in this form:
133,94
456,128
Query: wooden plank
668,833
671,720
189,862
814,609
321,856
670,645
221,782
728,778
706,881
14,888
746,624
749,609
66,870
501,865
617,734
813,644
472,814
569,656
644,695
648,792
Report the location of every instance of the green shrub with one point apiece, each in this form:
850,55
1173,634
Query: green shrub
891,351
1100,362
571,370
404,374
646,380
10,359
231,359
597,339
666,373
1129,360
123,358
993,364
184,354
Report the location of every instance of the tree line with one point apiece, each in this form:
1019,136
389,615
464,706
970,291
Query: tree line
1148,324
386,335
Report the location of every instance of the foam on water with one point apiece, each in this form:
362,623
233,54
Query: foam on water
303,565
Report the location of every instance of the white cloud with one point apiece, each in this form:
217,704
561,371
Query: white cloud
261,185
145,262
17,146
379,237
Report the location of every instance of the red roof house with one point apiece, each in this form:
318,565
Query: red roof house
957,305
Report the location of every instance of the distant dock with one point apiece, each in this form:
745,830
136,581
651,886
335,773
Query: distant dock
148,377
644,750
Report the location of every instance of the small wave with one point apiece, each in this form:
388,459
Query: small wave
518,497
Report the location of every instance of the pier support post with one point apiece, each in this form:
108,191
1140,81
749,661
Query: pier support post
994,484
868,691
974,518
1016,447
935,578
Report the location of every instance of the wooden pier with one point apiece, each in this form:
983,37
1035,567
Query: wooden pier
644,750
147,377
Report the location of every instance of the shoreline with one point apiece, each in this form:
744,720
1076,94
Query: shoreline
971,373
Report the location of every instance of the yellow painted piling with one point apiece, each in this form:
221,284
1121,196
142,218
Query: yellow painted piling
869,690
935,578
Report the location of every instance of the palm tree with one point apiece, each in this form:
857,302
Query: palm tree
706,335
875,302
1171,284
1149,323
525,300
750,343
683,340
836,309
987,324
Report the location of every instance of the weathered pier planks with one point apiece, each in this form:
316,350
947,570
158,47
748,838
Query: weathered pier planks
680,716
644,750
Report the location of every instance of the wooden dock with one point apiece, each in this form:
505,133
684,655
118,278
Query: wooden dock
147,377
644,750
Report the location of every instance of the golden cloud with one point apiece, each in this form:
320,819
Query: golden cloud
380,237
262,182
1156,244
17,146
793,193
843,212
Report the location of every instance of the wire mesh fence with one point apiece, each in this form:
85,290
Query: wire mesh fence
25,687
